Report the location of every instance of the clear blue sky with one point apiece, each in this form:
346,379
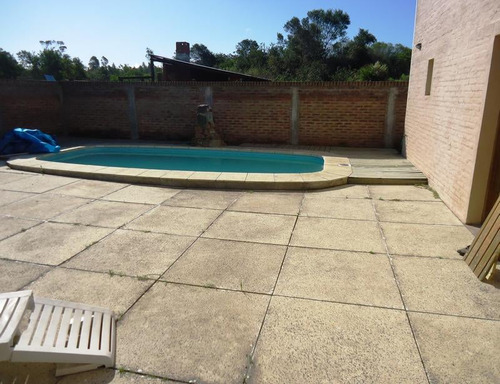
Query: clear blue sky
121,30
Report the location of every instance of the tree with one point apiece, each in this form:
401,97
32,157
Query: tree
310,41
9,67
250,56
53,45
200,54
52,60
332,25
73,69
93,63
396,57
358,49
373,72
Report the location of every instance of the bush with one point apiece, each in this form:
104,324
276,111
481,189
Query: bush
373,72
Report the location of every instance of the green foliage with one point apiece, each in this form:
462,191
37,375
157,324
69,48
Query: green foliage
52,60
314,48
9,67
200,54
396,57
374,72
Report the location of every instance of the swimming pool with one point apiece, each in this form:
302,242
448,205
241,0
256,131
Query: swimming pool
191,159
177,166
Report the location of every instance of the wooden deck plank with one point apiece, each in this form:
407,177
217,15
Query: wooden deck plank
485,249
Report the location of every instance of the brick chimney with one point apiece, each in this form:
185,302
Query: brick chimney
182,51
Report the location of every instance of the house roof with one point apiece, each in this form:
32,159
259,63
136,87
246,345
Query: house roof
203,70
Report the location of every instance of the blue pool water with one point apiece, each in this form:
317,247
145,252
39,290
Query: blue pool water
183,159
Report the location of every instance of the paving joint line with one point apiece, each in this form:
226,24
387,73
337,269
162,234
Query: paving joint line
382,235
122,371
248,370
171,265
54,267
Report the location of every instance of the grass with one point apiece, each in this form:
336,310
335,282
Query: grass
248,368
429,188
112,273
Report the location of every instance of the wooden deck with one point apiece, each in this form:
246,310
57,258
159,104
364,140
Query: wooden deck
369,165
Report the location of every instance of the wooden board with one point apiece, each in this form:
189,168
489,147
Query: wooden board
485,249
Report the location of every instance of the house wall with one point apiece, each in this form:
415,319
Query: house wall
364,114
443,129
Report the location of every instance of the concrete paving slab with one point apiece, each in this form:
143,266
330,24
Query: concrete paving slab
132,253
190,333
268,202
38,183
348,235
401,192
446,287
348,277
104,213
203,199
229,264
9,176
458,350
417,212
306,341
255,227
426,240
44,206
115,292
27,373
91,189
175,220
16,275
349,191
111,376
322,206
50,243
11,225
142,194
7,197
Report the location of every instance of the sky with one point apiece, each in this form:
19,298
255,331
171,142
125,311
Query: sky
122,30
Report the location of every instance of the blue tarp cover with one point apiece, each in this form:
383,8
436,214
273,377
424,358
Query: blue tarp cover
22,140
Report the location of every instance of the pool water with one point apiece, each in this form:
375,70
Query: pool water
190,159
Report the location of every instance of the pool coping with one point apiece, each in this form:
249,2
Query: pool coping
336,171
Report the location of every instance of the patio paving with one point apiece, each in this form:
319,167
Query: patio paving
350,284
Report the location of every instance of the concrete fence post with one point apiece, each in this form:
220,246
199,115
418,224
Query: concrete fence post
390,116
294,126
132,113
209,98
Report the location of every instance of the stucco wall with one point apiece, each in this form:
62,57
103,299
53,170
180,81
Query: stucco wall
442,129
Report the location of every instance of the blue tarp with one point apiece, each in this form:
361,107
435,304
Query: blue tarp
22,140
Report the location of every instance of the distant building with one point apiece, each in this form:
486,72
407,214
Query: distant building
453,111
180,69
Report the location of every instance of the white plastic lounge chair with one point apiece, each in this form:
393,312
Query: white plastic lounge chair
77,337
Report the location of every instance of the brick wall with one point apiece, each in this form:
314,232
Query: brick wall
30,105
348,114
95,110
442,129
